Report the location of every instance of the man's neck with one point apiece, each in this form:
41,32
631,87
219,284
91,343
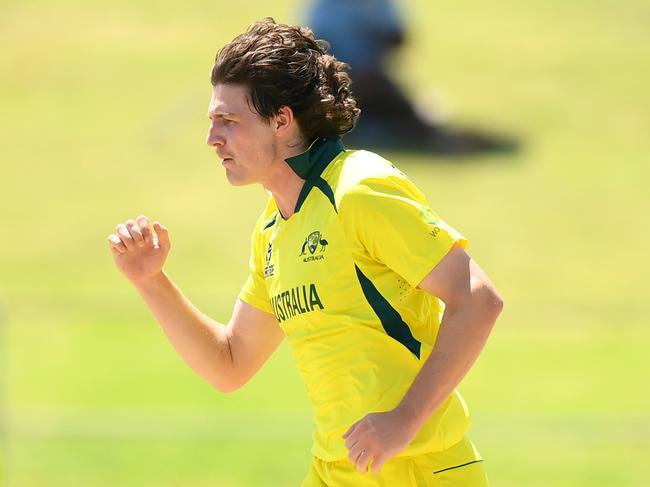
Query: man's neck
285,185
285,188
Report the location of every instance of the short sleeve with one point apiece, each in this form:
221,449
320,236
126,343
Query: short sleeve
254,290
392,221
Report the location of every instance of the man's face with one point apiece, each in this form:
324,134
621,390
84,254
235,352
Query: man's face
245,143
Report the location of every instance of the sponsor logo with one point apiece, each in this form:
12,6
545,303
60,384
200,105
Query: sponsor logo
431,218
296,301
312,243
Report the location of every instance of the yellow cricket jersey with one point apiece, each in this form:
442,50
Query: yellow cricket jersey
341,277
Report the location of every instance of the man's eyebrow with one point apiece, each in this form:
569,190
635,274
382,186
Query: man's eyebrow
220,114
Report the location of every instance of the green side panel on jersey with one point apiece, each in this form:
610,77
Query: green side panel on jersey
391,320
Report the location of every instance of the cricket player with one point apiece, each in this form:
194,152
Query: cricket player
384,310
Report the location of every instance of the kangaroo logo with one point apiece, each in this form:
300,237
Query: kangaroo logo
313,240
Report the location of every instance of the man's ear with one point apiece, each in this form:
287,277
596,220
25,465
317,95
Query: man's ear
284,119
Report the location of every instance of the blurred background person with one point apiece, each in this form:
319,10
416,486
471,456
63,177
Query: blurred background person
364,33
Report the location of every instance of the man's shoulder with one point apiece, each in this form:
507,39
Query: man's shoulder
359,163
363,175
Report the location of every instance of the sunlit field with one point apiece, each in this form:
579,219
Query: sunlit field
104,118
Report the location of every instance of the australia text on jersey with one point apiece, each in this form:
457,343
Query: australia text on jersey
295,301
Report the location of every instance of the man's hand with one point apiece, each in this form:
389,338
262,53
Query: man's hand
377,437
138,250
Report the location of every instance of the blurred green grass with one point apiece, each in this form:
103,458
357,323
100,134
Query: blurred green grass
104,109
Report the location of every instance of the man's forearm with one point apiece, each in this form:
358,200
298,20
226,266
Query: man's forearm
202,342
461,337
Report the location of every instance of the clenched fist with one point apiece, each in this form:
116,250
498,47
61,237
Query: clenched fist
138,249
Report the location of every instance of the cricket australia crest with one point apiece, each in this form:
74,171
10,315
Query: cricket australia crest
312,243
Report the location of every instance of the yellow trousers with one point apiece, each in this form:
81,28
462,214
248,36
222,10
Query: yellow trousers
458,466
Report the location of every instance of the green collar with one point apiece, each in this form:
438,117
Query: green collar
320,153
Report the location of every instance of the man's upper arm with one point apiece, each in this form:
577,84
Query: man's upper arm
253,336
457,278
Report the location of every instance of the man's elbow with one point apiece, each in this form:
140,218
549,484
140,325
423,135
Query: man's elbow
226,388
495,301
226,385
490,302
224,376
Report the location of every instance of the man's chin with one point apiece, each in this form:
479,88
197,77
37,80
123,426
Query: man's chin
237,180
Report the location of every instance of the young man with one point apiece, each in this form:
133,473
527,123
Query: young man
383,308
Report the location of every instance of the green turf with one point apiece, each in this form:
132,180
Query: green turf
104,118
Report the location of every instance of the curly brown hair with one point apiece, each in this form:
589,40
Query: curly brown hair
285,65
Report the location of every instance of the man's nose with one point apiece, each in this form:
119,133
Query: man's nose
214,138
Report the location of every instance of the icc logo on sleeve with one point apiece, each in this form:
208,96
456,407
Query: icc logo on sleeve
268,267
